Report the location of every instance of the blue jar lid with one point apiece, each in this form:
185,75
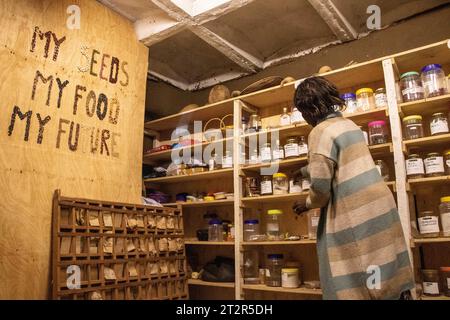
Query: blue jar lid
275,256
431,67
349,95
214,221
255,221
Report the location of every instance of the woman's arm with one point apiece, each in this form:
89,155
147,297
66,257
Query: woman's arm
321,173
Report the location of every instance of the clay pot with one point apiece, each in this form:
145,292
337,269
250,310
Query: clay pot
219,93
325,69
287,80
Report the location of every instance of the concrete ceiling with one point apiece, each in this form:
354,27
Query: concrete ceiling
195,44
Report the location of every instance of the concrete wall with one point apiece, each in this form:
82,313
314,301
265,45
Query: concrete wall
163,99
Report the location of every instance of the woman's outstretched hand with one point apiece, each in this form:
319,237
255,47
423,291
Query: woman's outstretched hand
299,207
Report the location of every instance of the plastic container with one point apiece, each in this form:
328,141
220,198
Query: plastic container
411,87
215,230
414,167
227,161
266,186
291,149
252,187
383,169
290,278
447,162
251,229
254,123
413,127
313,223
273,224
430,283
365,99
277,152
254,157
350,102
273,271
266,153
428,223
378,133
251,267
434,165
381,98
296,116
434,81
302,146
438,124
285,118
445,280
444,209
295,185
280,184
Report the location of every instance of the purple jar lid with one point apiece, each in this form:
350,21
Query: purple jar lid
347,96
215,221
377,123
251,221
275,256
431,67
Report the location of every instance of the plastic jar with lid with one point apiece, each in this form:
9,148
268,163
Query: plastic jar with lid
381,98
280,184
447,162
438,124
251,229
434,165
277,152
428,223
266,153
273,224
365,99
378,133
251,267
383,169
414,167
291,149
295,185
227,161
444,209
290,278
313,223
430,282
445,280
434,81
266,186
273,271
411,87
302,146
215,230
350,102
413,127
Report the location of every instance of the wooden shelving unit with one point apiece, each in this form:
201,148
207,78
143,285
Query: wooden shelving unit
201,204
208,243
195,282
382,72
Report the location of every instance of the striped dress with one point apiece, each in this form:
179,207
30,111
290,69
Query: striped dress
359,239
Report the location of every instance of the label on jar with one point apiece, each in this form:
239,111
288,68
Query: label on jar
278,154
412,91
428,224
434,165
414,166
254,159
430,288
306,184
438,126
267,273
273,227
381,100
314,221
227,162
266,155
445,221
303,149
266,187
291,150
294,187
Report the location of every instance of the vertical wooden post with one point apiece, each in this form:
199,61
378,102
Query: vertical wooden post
237,182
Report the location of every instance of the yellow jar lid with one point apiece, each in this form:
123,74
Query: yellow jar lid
289,270
445,199
364,90
208,198
415,117
274,212
279,175
447,153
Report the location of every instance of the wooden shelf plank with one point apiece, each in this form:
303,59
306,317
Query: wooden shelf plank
192,177
425,107
428,141
363,118
443,298
381,149
431,240
195,282
270,97
204,113
279,243
262,287
200,204
208,243
281,164
276,198
301,129
429,181
152,158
